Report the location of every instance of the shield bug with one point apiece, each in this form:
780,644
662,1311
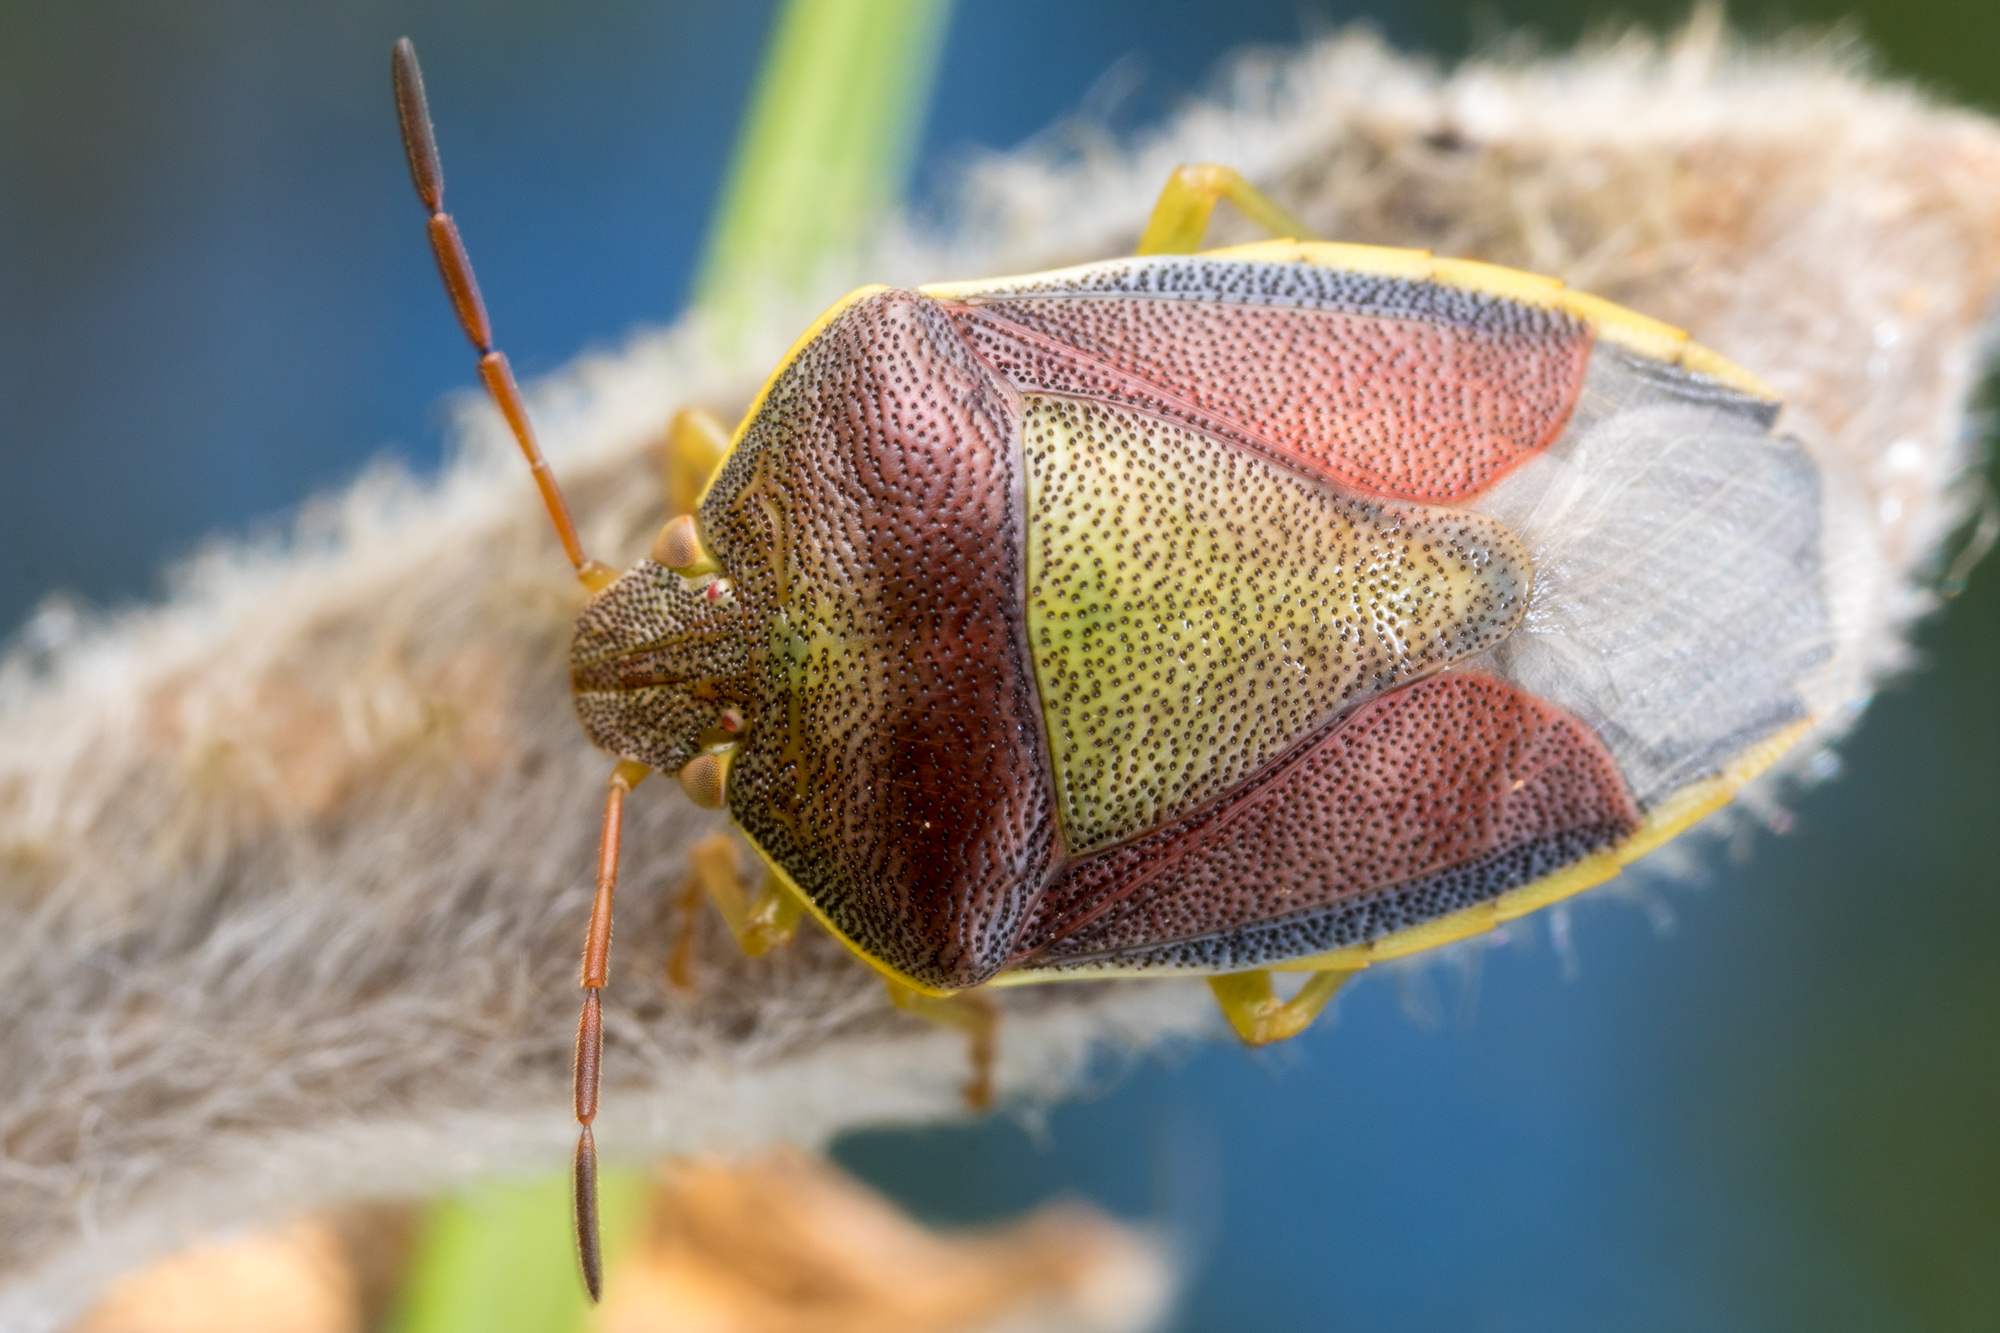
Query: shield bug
1281,608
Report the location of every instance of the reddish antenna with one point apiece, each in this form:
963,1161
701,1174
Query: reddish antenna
420,148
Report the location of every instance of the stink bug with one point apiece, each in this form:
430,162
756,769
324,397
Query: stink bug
1288,607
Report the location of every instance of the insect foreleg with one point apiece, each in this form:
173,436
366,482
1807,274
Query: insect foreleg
762,921
590,1027
695,443
972,1012
1251,1004
1180,218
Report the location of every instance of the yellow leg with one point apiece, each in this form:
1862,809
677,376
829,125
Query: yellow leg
696,441
1252,1006
761,922
971,1012
680,959
1181,217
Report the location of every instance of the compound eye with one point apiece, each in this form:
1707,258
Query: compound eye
705,778
679,548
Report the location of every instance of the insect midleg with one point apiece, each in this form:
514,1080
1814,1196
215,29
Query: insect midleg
1251,1004
420,148
972,1012
680,958
590,1026
1181,215
769,917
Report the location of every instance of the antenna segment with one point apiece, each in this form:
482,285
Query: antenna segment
420,148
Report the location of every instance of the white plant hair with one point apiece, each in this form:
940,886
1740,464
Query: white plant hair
294,867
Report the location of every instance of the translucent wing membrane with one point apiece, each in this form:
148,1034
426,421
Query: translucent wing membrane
1679,608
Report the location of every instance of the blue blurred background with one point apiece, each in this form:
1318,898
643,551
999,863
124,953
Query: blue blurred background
1782,1112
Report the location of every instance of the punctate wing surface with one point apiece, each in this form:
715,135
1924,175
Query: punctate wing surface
1666,524
1401,389
1421,802
1091,589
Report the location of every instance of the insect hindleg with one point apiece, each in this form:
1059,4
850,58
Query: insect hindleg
1251,1004
590,1027
1181,216
971,1012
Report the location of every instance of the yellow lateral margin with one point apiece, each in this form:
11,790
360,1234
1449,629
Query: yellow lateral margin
1609,321
1634,332
1702,361
778,873
1511,284
1678,813
1673,817
831,313
1380,260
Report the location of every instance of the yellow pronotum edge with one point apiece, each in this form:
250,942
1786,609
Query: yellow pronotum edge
827,317
784,878
1609,321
